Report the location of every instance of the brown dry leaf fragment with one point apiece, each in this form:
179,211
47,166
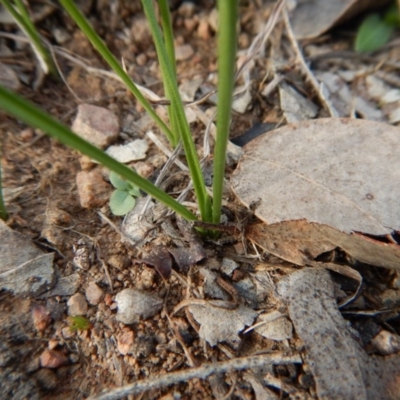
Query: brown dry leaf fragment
293,241
221,325
341,369
300,242
325,14
159,259
343,173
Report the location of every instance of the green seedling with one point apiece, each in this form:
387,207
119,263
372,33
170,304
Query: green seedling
123,198
376,30
79,322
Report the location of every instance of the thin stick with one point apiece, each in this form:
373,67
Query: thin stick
310,76
203,372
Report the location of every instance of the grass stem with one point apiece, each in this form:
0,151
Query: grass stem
227,14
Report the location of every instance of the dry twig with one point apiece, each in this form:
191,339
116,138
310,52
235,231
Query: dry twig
306,70
201,373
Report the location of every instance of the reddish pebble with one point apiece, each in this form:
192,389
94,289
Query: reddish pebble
108,299
53,359
41,317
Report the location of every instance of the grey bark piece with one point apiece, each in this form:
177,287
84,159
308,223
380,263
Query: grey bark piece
24,269
31,278
134,305
332,353
15,248
66,286
341,368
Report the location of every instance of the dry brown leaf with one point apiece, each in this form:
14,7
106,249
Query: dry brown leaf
343,173
324,14
320,182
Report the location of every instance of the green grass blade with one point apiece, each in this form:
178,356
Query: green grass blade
168,32
101,47
34,116
169,46
228,15
176,103
21,16
3,210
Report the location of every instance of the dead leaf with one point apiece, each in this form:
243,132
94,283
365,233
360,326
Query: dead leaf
343,173
160,260
221,325
341,368
300,242
325,14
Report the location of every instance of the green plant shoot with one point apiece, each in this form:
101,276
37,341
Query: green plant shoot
123,198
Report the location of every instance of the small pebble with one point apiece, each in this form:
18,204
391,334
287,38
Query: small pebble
53,343
125,342
77,305
97,125
53,359
203,30
135,304
92,189
94,294
183,52
386,343
41,317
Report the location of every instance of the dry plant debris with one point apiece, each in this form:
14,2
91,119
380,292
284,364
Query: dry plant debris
325,14
341,368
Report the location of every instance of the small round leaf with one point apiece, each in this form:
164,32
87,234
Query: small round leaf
118,182
134,191
372,34
121,202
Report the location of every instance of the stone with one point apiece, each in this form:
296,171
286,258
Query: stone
94,294
92,189
183,52
125,342
53,359
41,317
118,261
134,305
203,30
386,343
97,125
77,305
133,151
65,286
